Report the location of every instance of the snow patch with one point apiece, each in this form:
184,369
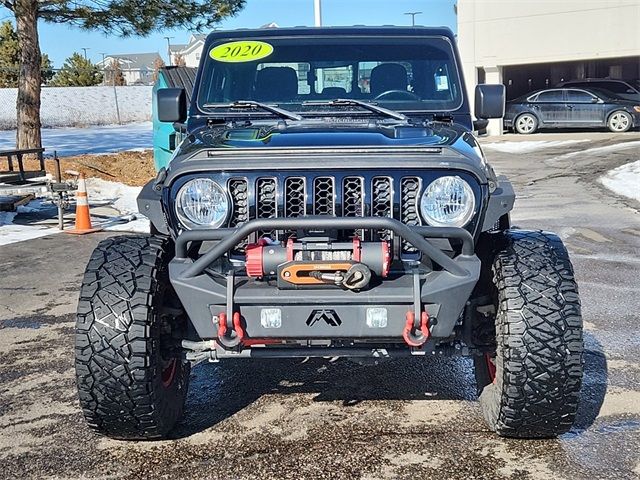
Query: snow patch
92,140
529,146
121,197
624,180
102,193
12,233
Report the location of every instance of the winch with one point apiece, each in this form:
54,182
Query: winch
318,261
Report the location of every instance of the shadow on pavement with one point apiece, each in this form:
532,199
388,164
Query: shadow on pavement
218,391
594,384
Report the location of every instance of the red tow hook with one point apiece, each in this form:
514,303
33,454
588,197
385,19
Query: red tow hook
412,337
238,335
225,338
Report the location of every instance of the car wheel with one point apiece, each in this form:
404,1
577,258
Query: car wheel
529,385
526,124
619,121
132,382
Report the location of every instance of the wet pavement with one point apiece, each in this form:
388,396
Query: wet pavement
292,419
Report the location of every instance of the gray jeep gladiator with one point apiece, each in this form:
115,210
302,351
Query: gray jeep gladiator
328,199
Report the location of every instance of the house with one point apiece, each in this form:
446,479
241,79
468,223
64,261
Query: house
137,68
190,52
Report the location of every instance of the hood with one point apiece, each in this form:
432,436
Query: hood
365,135
446,136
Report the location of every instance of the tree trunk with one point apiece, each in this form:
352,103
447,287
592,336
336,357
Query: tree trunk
30,78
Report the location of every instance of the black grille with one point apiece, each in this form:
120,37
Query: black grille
324,196
343,195
409,190
238,190
295,198
382,202
352,197
353,200
266,202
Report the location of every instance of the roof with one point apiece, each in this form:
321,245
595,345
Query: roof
195,41
334,31
136,60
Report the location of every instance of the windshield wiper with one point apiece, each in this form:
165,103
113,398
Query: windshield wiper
366,105
256,105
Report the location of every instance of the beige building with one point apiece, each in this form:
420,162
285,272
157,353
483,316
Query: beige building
533,44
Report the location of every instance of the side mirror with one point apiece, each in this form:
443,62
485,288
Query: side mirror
172,105
490,100
480,125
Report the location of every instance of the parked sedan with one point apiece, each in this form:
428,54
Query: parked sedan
571,108
619,88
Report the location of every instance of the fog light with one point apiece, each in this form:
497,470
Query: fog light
376,317
271,317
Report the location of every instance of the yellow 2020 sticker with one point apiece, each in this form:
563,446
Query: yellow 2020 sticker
242,51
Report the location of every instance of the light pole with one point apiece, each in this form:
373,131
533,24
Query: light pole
413,17
84,49
168,39
317,12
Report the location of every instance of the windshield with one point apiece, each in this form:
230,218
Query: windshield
399,73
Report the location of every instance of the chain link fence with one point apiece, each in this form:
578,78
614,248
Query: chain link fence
79,106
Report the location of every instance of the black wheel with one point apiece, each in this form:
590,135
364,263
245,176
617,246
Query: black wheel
619,121
530,384
132,382
525,124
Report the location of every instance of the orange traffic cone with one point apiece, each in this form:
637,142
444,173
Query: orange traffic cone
83,219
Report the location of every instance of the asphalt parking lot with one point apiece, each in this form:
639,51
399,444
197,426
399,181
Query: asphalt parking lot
290,419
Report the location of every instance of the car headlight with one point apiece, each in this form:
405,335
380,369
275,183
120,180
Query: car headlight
202,203
448,202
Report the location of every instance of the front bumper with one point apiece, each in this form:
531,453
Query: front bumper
410,288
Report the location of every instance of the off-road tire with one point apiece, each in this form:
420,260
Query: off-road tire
530,386
130,384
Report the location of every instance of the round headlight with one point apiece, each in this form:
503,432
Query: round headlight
448,202
202,203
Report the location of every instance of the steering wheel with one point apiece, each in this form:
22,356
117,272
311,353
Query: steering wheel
402,93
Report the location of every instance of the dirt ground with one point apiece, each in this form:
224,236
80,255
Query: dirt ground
405,419
131,167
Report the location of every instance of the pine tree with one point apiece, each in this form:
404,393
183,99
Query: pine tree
77,71
121,17
10,58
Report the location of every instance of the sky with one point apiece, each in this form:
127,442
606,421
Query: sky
59,41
